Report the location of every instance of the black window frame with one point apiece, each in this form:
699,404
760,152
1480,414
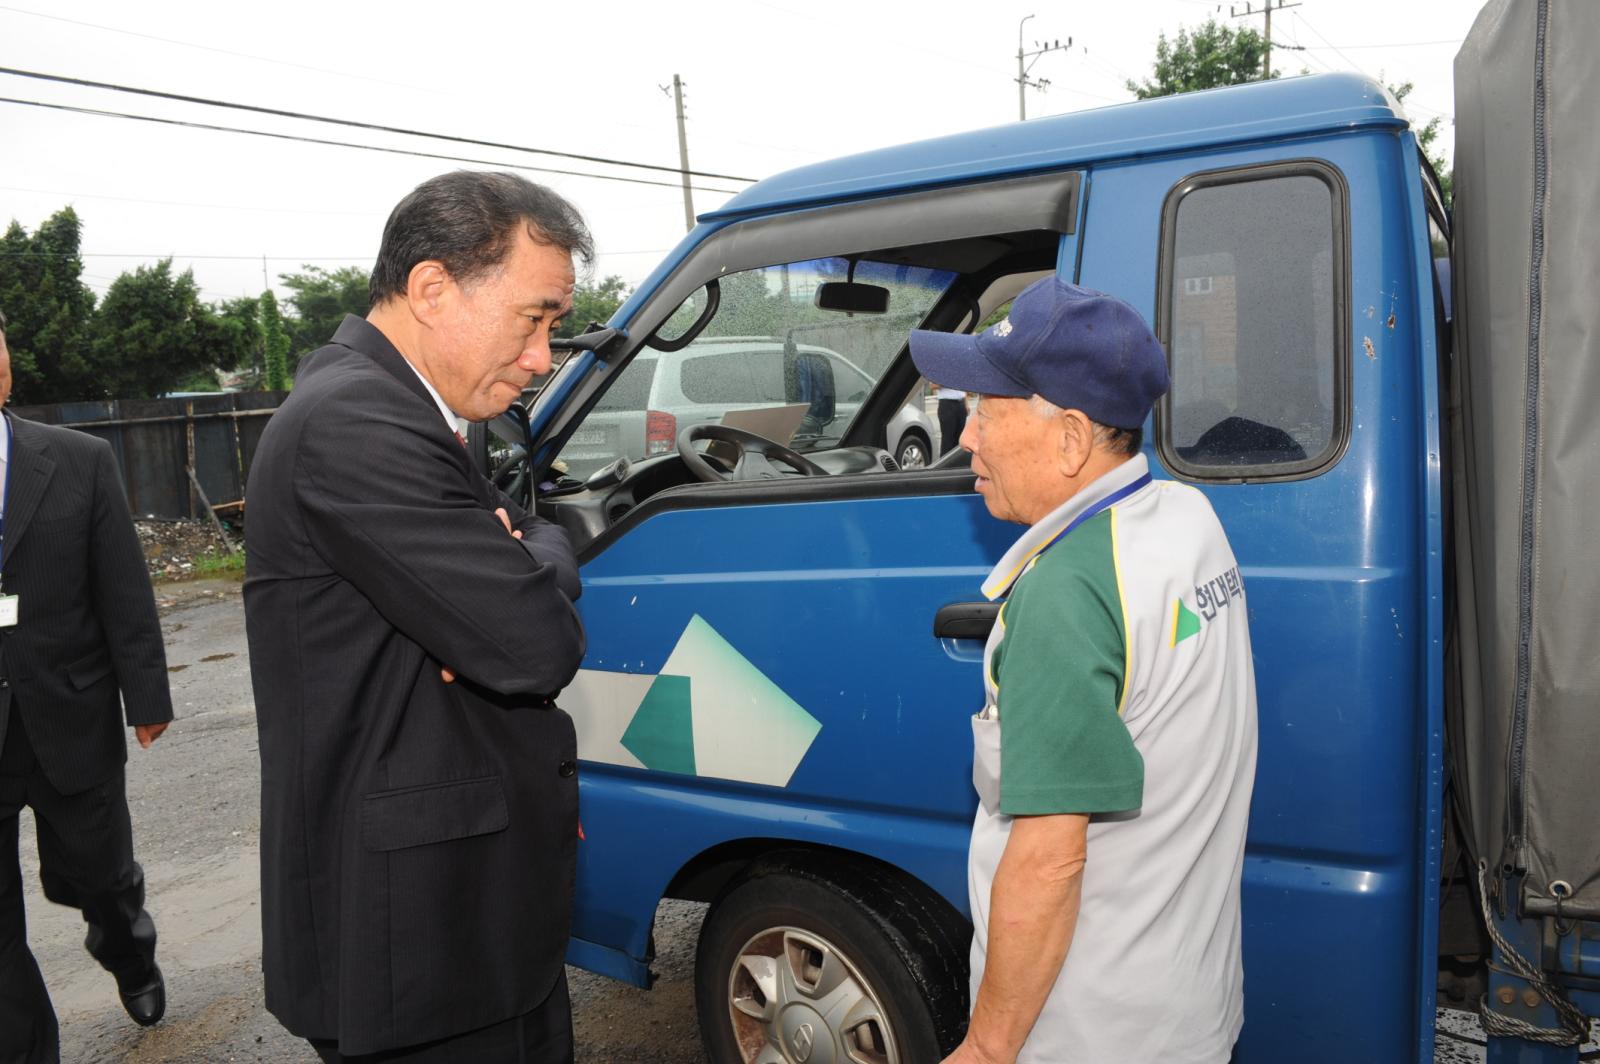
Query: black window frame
1339,437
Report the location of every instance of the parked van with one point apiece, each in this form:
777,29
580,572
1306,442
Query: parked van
773,713
664,392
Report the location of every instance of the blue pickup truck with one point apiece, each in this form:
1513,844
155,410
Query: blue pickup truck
785,628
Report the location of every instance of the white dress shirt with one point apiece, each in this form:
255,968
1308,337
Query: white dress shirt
449,416
5,459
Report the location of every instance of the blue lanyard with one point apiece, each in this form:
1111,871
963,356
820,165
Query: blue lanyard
1100,507
5,491
1034,555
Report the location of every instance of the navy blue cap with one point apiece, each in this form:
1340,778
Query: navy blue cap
1080,349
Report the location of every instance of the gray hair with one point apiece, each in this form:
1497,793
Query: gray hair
2,323
1113,439
468,220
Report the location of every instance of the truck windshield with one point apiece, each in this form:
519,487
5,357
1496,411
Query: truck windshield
768,346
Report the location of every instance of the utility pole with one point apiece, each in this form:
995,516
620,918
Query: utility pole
1250,12
683,152
265,284
1023,66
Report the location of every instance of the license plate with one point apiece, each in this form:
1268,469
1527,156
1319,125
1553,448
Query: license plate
587,437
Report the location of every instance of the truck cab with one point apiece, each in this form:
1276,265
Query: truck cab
785,631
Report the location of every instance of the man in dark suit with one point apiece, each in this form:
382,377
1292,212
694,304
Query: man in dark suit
409,626
78,625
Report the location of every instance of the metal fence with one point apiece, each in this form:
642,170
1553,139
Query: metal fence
175,455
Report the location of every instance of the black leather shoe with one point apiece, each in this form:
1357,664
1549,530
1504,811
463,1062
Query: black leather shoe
145,998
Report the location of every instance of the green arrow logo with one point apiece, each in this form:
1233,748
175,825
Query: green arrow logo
1185,622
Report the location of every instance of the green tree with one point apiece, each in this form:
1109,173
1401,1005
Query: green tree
320,299
49,311
1213,56
151,332
275,344
594,301
245,311
1427,138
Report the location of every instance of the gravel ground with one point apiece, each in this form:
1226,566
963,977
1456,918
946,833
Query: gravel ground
173,548
196,830
193,796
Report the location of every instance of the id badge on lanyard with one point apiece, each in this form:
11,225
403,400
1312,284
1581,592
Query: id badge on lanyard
10,605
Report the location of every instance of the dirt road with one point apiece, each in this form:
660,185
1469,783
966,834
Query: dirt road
197,833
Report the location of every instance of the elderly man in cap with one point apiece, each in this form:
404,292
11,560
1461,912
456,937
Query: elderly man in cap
1115,753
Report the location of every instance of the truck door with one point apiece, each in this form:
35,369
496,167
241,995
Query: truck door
1289,306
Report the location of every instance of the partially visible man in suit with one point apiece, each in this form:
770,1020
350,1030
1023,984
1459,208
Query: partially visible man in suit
78,625
409,626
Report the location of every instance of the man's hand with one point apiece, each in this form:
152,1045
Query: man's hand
148,733
967,1053
505,519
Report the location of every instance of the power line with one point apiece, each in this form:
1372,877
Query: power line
192,204
349,144
790,148
249,258
209,48
1397,44
1110,70
1306,23
176,255
1413,106
351,123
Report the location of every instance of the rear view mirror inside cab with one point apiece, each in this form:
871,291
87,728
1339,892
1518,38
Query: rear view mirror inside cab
852,297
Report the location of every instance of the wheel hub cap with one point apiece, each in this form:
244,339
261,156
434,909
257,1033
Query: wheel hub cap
795,999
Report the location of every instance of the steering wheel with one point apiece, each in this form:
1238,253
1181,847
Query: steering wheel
756,455
511,475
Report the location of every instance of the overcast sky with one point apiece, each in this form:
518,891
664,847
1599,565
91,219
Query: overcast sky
770,84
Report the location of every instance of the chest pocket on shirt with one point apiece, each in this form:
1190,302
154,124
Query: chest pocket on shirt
986,763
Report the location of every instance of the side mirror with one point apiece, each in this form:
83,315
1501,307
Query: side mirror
852,297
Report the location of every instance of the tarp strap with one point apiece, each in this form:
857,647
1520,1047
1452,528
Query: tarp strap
1574,1024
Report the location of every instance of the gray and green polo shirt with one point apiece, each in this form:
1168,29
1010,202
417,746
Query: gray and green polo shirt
1119,684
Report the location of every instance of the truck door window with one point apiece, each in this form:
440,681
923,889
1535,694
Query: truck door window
1252,282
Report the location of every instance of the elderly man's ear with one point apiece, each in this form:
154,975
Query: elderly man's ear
425,288
1076,442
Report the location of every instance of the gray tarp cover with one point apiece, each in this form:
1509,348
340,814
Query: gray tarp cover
1526,431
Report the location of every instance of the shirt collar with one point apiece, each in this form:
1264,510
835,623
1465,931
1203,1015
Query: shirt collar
449,417
1042,533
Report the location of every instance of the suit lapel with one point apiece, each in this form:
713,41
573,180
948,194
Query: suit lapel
362,336
29,469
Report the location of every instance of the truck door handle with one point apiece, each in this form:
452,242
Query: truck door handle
965,620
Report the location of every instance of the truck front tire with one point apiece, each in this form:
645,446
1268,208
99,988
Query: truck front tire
853,966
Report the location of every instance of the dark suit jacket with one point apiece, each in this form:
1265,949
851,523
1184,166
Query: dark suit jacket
418,838
88,626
